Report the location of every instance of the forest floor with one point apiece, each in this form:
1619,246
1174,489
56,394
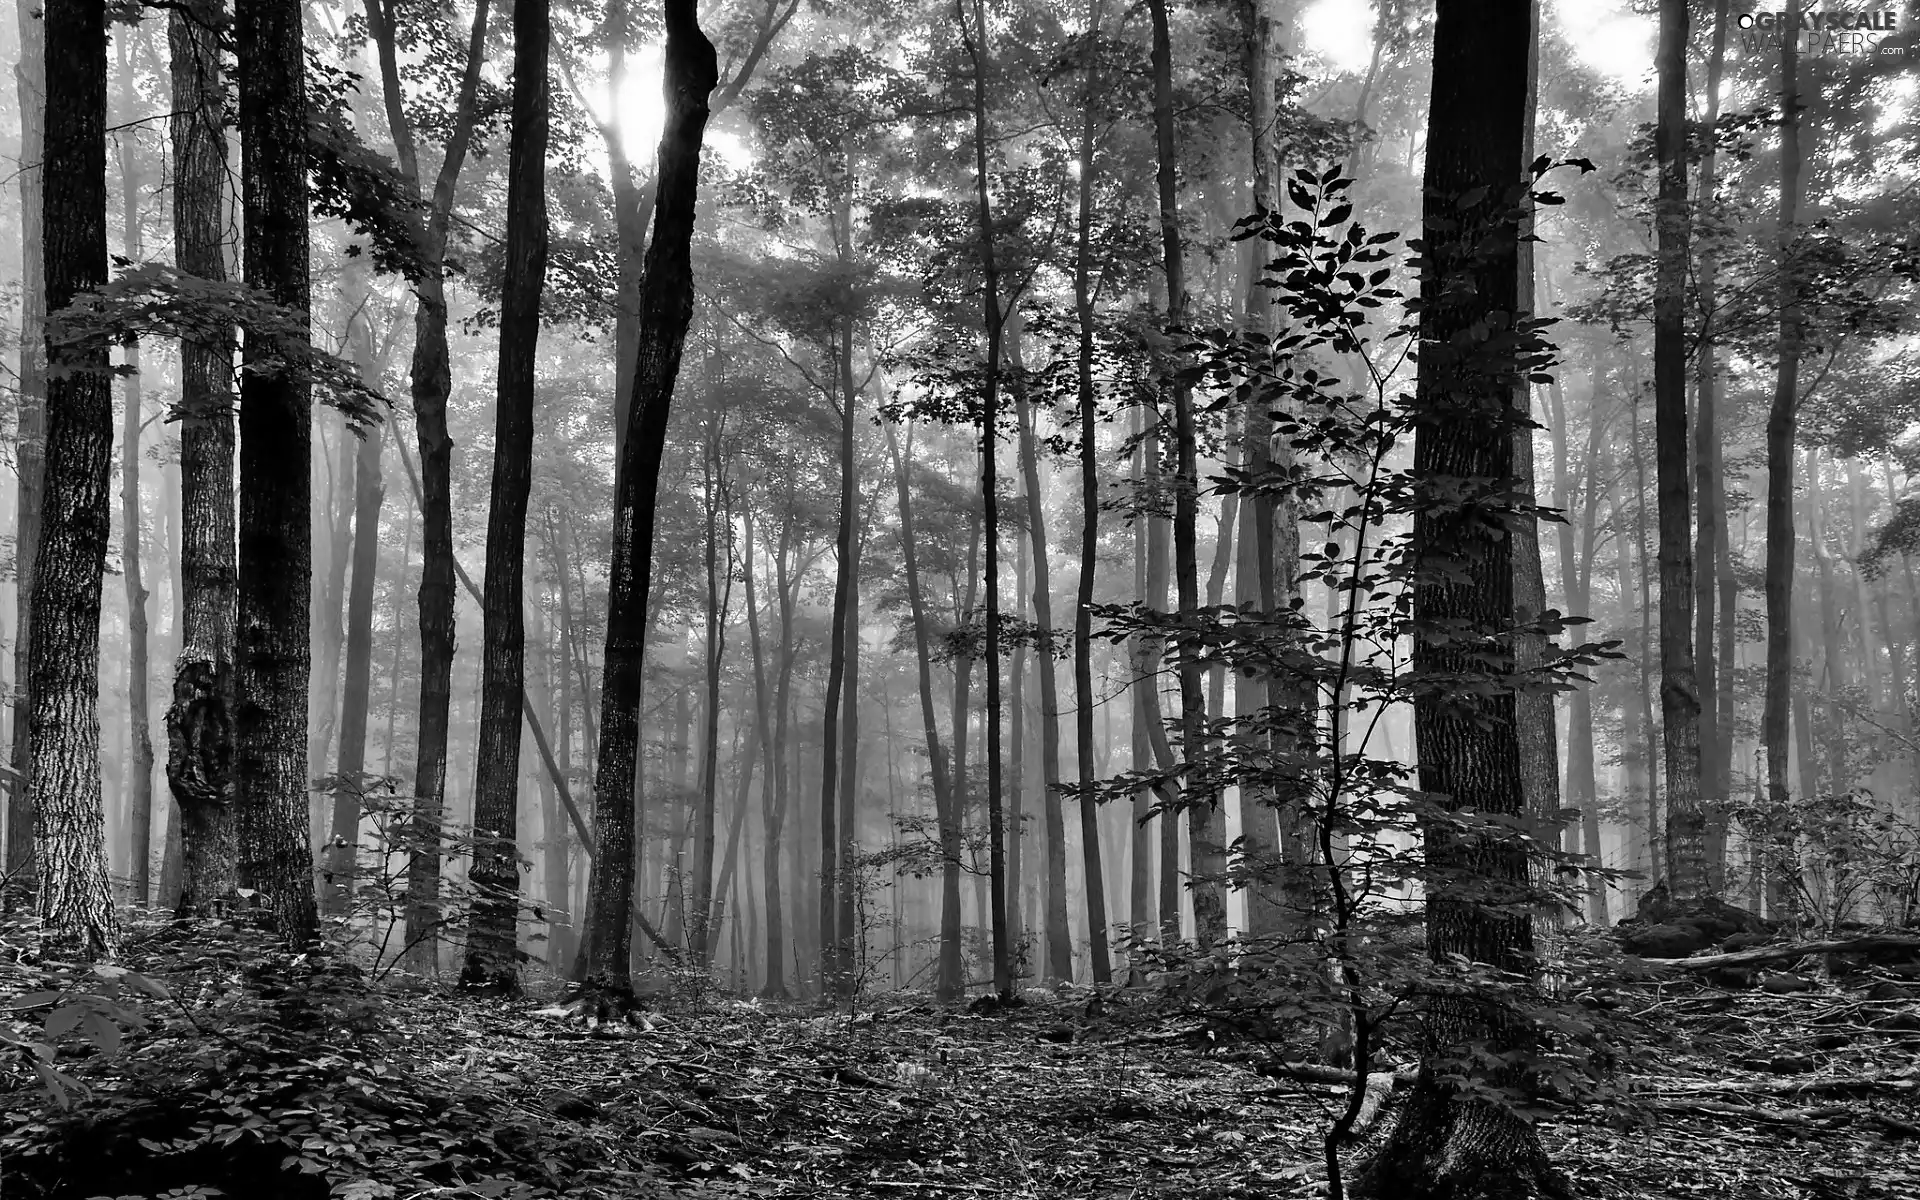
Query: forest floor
915,1100
1742,1095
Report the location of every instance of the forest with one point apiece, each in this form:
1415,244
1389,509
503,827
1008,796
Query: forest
1201,598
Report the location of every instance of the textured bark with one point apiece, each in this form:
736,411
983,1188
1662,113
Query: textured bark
30,429
990,501
1686,861
369,493
63,654
200,719
1083,695
334,461
1199,801
431,382
494,918
1781,419
1450,1142
948,980
139,782
666,309
1645,695
276,489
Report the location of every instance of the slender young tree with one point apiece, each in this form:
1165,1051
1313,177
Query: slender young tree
973,39
63,655
1083,697
30,427
691,71
272,653
1451,1141
200,719
431,383
139,734
495,875
1199,801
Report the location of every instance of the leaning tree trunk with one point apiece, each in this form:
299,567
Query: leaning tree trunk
1781,418
1452,1141
1200,802
63,655
276,488
691,71
431,383
30,429
200,720
495,876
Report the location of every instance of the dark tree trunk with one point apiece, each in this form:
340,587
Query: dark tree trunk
691,71
1686,861
30,428
1208,855
1450,1142
990,502
719,594
200,720
431,383
1710,525
831,836
494,920
63,653
771,800
1781,419
276,489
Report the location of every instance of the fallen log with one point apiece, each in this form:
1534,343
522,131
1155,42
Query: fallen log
1835,1086
1769,954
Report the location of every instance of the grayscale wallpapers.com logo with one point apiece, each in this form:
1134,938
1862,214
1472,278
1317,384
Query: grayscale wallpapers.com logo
1822,33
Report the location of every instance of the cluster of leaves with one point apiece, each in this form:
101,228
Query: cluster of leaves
271,1074
1837,859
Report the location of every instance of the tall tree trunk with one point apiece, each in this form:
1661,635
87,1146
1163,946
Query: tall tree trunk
1710,524
772,798
1083,695
1451,1141
1198,799
369,493
140,735
63,654
330,594
276,489
200,721
495,876
949,983
691,70
1644,696
30,425
719,594
1577,600
990,500
848,878
1059,940
431,383
1781,419
1686,859
831,936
